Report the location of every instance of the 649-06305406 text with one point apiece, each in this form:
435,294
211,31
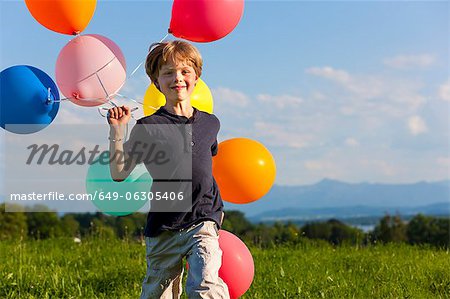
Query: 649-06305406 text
98,195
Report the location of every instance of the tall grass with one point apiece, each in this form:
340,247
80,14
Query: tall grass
97,268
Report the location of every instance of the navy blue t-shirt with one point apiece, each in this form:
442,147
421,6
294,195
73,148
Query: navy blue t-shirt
206,201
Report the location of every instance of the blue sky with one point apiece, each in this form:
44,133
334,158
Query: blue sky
350,90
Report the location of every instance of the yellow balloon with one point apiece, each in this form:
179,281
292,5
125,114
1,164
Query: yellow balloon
201,98
153,99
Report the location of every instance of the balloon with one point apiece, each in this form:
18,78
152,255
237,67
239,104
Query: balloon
205,20
236,258
201,98
237,268
25,99
63,16
89,69
117,198
244,170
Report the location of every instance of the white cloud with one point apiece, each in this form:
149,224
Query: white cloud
317,95
318,165
226,96
409,61
330,73
444,91
351,142
444,161
279,135
373,94
417,125
358,107
281,101
364,88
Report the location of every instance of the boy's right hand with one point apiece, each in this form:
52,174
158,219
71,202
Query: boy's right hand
119,115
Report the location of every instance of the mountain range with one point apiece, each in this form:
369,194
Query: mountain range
335,199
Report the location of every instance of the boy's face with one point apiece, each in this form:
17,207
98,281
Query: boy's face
177,81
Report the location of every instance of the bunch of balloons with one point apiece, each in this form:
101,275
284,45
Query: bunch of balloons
30,98
91,68
90,71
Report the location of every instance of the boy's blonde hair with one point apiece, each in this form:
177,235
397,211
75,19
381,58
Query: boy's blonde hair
176,51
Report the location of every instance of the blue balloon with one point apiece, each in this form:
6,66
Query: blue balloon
29,99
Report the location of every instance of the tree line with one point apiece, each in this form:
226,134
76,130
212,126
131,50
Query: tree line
420,229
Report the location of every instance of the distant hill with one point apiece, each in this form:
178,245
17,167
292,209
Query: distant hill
330,198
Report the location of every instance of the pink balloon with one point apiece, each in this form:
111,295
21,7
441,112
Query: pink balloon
237,269
205,20
89,69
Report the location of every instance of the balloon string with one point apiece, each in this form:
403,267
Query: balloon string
133,100
103,86
140,64
49,98
108,97
94,73
132,73
62,99
164,37
135,70
77,98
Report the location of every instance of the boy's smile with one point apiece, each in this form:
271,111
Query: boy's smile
177,81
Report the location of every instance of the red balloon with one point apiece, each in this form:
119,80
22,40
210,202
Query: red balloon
237,268
205,20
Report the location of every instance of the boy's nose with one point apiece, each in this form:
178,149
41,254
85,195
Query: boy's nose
178,76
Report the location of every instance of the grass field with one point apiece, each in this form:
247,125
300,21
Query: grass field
114,269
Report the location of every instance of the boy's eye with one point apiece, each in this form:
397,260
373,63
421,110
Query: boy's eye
185,71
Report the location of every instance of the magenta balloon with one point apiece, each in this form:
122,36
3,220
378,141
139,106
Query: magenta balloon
89,68
205,20
237,269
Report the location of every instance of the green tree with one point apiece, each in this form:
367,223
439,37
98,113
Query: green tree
262,236
317,230
390,229
43,223
13,225
333,231
429,230
343,233
236,223
70,226
101,230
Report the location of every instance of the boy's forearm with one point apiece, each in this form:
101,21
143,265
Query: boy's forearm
117,155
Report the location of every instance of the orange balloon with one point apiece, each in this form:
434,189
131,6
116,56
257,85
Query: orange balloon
244,170
63,16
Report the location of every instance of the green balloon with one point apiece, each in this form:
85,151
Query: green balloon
118,198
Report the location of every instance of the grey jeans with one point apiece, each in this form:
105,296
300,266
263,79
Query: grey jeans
200,245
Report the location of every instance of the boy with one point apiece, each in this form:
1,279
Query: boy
174,67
